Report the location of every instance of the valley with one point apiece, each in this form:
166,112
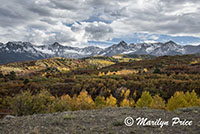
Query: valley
121,80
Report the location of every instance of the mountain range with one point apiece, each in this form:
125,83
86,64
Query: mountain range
24,51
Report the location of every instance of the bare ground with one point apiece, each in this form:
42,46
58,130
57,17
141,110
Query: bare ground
105,121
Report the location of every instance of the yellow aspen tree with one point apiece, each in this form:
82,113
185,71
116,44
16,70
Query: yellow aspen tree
85,101
145,70
191,98
145,100
122,93
176,101
125,103
100,102
127,93
131,102
100,74
111,101
134,95
108,73
66,102
158,102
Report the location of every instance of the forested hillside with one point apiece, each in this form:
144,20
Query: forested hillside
171,81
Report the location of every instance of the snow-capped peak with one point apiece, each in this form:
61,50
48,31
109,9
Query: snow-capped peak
58,50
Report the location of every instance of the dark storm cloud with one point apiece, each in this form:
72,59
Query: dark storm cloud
12,14
98,31
42,11
68,5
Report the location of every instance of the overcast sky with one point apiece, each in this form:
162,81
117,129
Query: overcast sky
99,22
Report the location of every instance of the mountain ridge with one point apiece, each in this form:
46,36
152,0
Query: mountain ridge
24,51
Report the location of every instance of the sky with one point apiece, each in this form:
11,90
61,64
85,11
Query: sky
100,22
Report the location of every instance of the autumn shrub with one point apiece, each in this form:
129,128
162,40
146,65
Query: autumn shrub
145,100
56,106
26,103
23,103
61,104
43,101
65,102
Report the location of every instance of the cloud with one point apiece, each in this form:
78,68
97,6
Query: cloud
75,22
159,16
98,31
92,31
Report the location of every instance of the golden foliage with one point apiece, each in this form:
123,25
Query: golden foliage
127,103
124,103
126,71
180,100
121,72
101,74
111,101
145,70
26,103
195,62
134,95
127,93
145,100
158,102
100,62
61,104
100,102
83,101
192,98
176,101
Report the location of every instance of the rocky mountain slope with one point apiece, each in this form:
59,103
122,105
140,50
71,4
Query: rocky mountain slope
23,51
105,121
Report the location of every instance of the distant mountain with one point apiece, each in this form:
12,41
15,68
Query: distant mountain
156,49
24,51
18,51
115,49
